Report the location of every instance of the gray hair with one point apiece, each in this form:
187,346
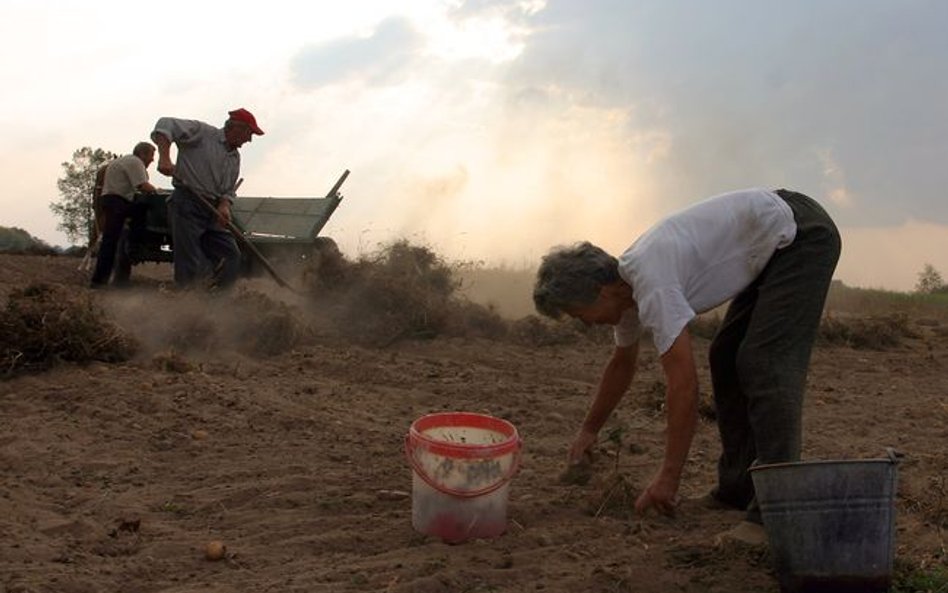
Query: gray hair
572,276
143,149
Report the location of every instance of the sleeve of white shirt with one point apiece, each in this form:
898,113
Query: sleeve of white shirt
666,312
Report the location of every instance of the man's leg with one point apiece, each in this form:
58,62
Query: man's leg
221,249
115,210
738,450
129,243
188,224
774,356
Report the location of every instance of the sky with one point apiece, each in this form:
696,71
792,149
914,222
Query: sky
492,130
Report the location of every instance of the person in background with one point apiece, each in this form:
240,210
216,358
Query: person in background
772,254
207,168
123,178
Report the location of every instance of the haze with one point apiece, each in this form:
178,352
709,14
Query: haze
492,130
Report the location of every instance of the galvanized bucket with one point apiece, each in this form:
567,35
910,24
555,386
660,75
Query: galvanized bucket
831,524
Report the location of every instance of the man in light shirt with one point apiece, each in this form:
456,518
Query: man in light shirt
772,255
124,177
207,168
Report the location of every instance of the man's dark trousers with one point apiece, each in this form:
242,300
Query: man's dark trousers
116,210
760,354
201,244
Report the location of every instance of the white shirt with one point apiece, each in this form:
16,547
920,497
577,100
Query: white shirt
699,258
123,176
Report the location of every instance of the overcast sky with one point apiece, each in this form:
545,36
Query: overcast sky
492,130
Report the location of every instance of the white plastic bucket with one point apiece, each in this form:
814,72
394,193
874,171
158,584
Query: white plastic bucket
462,464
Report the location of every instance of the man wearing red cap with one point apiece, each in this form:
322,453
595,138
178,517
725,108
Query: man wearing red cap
207,167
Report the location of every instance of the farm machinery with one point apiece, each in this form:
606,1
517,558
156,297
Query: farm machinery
271,231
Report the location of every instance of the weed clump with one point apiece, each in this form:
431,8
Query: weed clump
879,332
534,331
403,291
266,327
251,323
44,324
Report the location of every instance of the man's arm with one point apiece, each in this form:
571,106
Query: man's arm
183,132
681,402
165,166
616,378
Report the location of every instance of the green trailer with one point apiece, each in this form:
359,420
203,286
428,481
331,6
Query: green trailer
281,231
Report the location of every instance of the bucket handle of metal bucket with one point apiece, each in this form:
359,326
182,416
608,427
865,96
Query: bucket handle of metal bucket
465,493
893,455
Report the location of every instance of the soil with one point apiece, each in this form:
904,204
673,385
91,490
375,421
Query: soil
118,476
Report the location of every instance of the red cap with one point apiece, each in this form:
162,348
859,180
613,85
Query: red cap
246,117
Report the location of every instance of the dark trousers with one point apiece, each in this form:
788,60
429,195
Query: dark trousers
760,354
115,210
201,245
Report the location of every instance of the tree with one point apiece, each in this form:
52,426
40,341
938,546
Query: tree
74,207
929,280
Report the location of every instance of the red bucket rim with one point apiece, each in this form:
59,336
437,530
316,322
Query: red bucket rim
464,450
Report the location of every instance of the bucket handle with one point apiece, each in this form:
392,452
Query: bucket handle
894,455
464,493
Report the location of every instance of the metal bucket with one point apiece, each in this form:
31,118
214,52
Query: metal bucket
831,524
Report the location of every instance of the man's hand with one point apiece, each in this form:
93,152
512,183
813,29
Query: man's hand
165,166
660,494
223,212
579,461
582,446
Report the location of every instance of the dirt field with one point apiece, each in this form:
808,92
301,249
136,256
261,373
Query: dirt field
114,477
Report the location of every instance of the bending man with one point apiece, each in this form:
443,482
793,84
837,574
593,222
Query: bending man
772,254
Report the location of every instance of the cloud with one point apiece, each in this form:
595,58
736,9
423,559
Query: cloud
382,58
514,12
835,181
744,93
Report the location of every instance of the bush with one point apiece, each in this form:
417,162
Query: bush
42,325
14,240
535,331
929,280
403,291
869,333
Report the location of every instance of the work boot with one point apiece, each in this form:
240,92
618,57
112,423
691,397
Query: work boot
712,501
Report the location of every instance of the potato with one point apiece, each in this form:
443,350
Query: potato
215,550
